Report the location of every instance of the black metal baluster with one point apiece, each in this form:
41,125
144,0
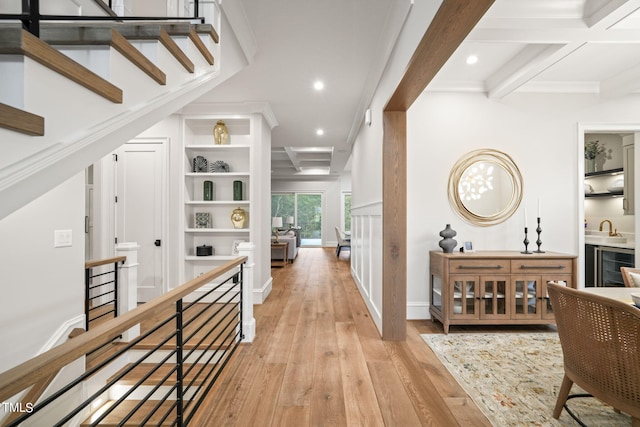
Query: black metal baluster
87,280
116,273
179,362
32,22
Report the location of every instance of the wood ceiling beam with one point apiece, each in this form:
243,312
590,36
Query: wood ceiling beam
449,27
451,24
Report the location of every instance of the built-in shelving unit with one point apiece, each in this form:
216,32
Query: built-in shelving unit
220,232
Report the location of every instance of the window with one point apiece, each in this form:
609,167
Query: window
306,210
346,211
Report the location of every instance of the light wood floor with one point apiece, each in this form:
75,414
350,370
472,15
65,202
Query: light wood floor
318,360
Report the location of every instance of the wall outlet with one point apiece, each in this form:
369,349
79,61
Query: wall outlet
62,238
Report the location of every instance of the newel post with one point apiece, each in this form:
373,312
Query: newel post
248,322
128,284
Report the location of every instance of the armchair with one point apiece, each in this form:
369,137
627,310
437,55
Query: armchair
600,340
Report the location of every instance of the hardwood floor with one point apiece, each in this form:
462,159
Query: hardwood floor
318,360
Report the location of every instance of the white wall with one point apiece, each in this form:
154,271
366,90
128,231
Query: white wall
42,286
539,131
366,169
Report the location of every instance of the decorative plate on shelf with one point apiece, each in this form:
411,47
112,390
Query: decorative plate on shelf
617,185
219,166
200,164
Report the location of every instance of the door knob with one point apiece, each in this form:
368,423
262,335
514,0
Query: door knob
158,242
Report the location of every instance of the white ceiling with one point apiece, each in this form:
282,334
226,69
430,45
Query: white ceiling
522,45
345,44
564,46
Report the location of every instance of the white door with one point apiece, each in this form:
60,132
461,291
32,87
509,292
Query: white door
139,209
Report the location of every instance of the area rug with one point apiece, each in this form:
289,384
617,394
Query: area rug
514,378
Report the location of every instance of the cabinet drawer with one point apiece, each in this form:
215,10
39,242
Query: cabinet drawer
479,266
541,266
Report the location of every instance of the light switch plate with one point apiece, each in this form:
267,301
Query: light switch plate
62,238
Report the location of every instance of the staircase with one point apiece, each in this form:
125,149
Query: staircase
84,88
143,391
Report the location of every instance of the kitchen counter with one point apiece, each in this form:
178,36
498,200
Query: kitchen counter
626,245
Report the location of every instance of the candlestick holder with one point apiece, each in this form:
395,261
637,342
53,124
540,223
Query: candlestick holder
539,242
526,242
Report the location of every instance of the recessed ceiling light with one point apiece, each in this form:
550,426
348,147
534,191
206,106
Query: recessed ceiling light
319,132
318,85
472,59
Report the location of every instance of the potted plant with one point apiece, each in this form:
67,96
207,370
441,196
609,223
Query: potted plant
592,149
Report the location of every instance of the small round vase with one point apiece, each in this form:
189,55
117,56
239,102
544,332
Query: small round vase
238,218
447,243
220,133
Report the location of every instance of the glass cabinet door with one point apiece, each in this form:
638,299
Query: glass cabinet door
524,297
463,299
436,292
546,309
494,297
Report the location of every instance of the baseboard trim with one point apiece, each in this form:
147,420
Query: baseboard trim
260,295
418,310
62,333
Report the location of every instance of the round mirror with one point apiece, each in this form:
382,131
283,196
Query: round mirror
485,187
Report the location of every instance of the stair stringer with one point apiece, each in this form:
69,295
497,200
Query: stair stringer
34,166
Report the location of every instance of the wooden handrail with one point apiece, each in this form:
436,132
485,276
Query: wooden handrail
21,121
30,372
98,262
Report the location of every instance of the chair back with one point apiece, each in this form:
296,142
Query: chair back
631,277
600,340
339,236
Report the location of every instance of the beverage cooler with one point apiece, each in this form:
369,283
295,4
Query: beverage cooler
608,261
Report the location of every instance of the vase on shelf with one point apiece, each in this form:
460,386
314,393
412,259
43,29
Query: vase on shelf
589,165
207,191
447,243
239,217
220,133
237,190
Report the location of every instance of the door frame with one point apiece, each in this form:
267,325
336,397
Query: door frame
105,208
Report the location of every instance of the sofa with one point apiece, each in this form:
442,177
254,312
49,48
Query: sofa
292,237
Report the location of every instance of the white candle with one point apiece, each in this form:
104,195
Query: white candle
526,220
538,208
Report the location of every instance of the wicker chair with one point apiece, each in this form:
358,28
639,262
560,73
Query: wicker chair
600,340
629,281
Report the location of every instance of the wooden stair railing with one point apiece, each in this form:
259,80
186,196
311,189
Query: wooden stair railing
40,387
41,367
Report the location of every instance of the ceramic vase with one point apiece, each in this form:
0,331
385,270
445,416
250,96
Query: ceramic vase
589,165
207,191
237,190
447,243
239,218
220,133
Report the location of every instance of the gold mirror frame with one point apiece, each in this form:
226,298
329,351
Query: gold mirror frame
498,158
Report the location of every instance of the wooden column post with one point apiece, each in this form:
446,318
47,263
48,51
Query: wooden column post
394,226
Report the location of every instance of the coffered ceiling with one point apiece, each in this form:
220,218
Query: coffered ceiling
565,46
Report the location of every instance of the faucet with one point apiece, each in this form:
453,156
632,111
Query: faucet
611,232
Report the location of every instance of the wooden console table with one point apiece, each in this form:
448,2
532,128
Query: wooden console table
284,246
496,287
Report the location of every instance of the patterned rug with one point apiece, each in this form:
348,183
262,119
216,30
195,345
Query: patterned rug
514,378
